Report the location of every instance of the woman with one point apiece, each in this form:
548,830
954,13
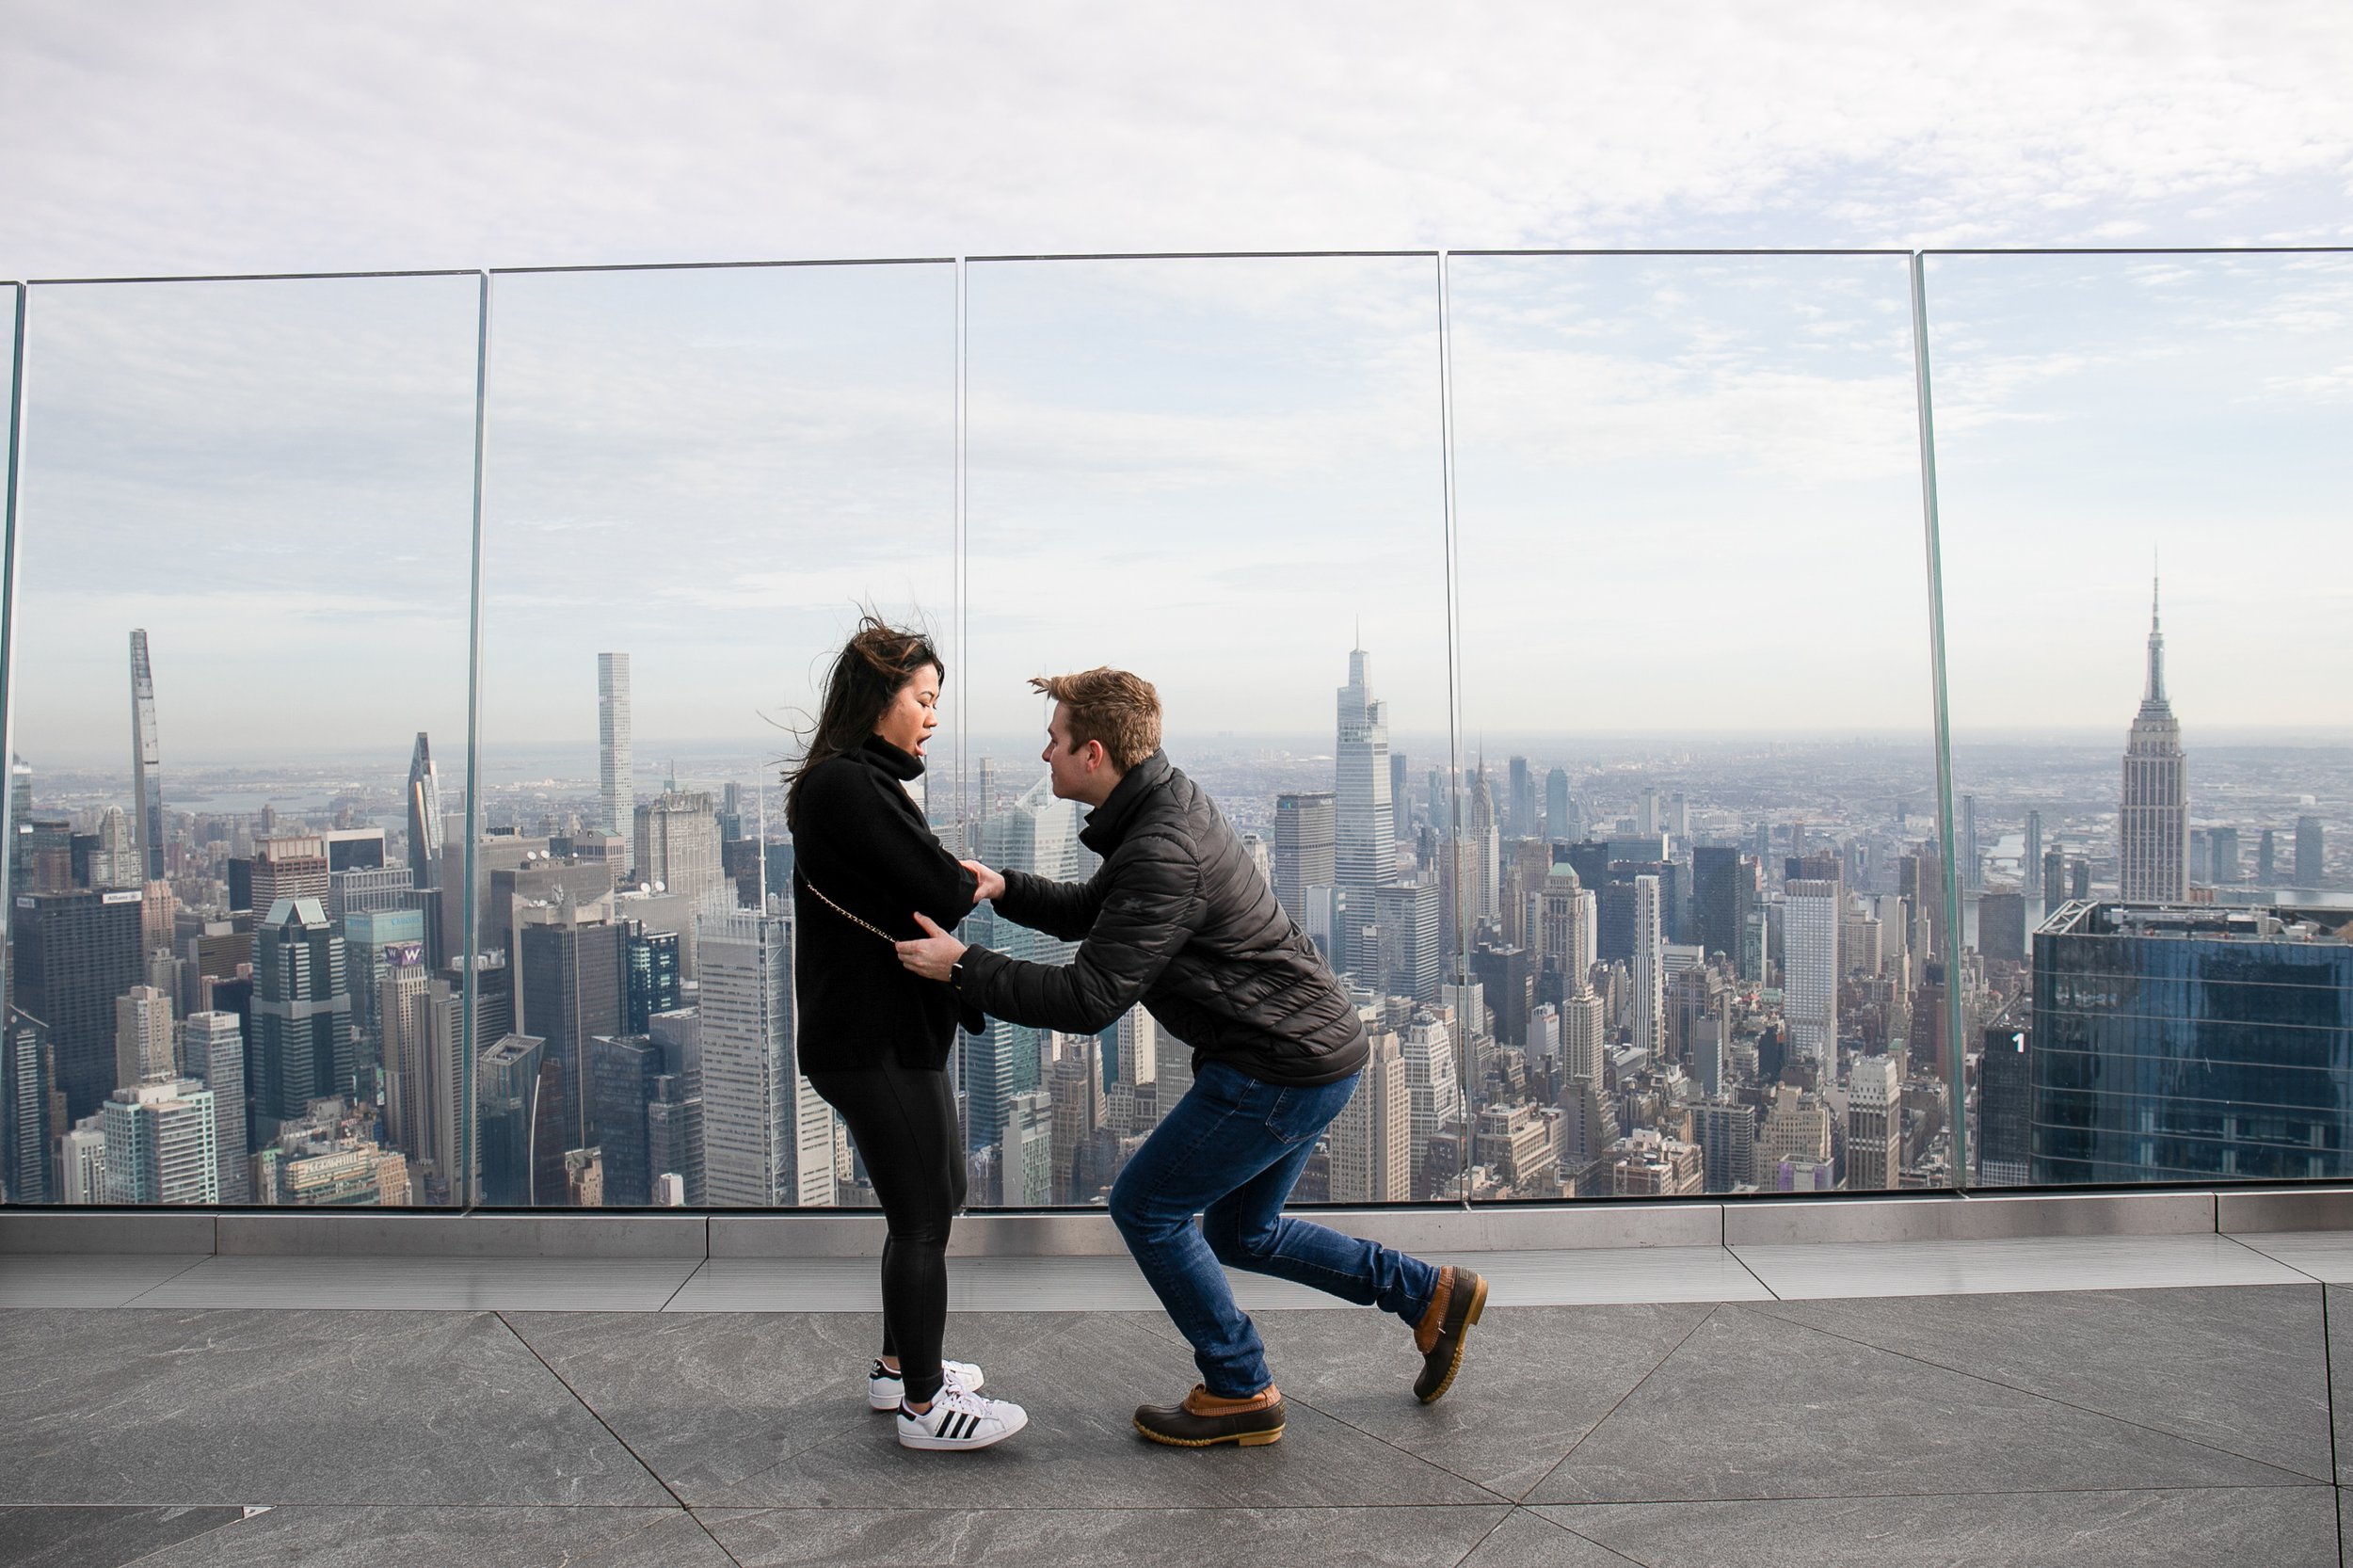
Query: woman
873,1038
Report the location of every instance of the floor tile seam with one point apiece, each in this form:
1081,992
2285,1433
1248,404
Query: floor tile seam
1570,1530
1101,1508
2269,1257
2328,1369
1163,1331
1919,1497
1504,1498
2065,1403
135,1297
594,1414
169,1546
1619,1403
1761,1283
783,1459
711,1536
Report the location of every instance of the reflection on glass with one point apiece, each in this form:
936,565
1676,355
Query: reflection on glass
1699,845
696,479
243,546
2142,465
1225,477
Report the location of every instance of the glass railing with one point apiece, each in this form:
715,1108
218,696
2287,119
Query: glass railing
1559,630
2144,461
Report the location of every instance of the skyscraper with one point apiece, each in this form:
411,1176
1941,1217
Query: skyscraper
1434,1087
74,953
146,762
143,1037
1564,934
572,989
2030,857
767,1136
2153,824
1304,853
2191,1042
302,1029
2004,1145
678,844
1875,1125
1649,966
1724,892
2002,925
2224,863
2308,860
162,1143
615,774
1410,917
1365,821
1559,827
1522,822
652,957
1972,858
1039,834
25,1089
1371,1139
214,1045
1809,935
624,1069
405,1045
425,814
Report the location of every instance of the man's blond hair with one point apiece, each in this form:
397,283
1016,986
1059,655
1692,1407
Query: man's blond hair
1120,709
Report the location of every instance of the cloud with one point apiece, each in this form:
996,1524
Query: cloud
158,136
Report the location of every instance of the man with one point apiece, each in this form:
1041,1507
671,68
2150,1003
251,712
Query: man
1178,918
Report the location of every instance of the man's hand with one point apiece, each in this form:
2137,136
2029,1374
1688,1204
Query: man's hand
933,954
992,882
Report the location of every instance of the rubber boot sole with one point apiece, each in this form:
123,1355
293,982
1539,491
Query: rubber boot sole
1240,1439
1461,1342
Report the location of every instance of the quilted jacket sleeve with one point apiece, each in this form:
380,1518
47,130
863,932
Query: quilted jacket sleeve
1149,904
1064,909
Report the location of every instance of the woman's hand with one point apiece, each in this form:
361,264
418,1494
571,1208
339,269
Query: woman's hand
933,954
992,882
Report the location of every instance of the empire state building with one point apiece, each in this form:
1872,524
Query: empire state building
2154,823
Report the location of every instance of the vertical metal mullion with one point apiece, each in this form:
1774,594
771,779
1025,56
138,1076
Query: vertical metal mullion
7,587
961,549
468,1114
1454,708
1955,1047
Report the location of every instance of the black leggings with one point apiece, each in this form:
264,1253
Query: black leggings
903,1122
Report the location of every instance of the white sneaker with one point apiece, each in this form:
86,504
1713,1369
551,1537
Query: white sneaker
960,1418
886,1389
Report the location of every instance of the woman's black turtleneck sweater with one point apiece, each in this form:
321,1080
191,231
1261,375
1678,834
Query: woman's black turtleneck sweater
860,839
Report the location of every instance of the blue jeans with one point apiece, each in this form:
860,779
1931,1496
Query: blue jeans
1230,1151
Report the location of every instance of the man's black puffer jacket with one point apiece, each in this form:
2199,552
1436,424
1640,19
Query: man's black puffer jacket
1178,918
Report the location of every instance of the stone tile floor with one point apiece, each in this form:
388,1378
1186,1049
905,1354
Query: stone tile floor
2189,1424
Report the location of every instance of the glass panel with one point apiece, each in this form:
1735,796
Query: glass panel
1223,475
1696,708
2108,426
696,479
243,537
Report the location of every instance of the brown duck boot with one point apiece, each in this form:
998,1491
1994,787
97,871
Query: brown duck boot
1460,1297
1204,1419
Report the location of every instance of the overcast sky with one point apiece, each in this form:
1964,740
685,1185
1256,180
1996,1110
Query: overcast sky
1689,488
169,135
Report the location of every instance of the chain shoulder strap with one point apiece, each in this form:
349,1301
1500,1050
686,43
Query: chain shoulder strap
844,913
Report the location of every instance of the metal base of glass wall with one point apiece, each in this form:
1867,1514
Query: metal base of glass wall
1892,1218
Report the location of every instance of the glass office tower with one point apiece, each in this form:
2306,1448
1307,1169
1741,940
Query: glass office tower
2182,1043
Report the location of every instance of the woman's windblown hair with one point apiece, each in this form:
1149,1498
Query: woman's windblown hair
865,678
